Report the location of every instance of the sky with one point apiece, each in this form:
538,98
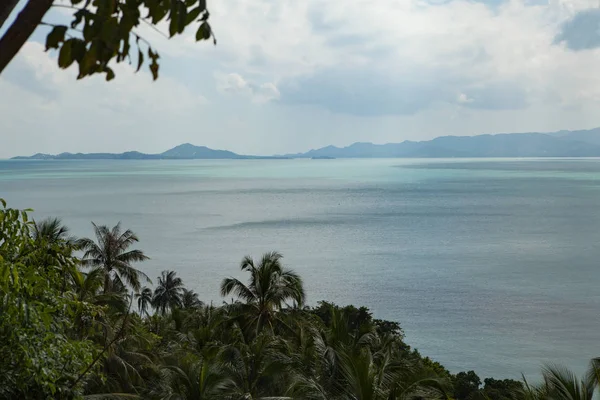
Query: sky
291,75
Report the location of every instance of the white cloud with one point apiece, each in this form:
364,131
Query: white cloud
235,84
462,98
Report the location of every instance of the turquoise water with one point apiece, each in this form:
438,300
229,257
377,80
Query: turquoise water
490,265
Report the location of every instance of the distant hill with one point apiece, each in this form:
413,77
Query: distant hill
589,136
184,151
189,151
557,144
581,143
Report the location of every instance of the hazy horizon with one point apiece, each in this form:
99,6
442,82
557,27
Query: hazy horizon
297,151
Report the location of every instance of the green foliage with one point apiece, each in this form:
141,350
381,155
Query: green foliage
502,389
41,355
67,333
466,385
104,31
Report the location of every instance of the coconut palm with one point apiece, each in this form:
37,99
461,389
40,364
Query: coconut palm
52,231
144,299
168,292
127,363
53,246
195,378
562,384
257,368
269,288
110,252
189,299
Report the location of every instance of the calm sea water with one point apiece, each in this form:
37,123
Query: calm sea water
492,265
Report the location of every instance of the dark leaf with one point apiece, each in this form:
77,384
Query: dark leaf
173,24
110,74
87,63
154,69
77,49
192,15
202,4
110,31
181,17
65,57
88,31
203,32
55,36
140,60
158,13
78,18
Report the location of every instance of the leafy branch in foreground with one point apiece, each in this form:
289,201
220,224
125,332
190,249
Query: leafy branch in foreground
103,31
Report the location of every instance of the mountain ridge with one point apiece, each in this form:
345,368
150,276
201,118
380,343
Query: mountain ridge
577,143
185,151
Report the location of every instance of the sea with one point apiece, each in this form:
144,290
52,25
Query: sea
490,265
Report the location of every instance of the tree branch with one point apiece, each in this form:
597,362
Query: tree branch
20,30
5,9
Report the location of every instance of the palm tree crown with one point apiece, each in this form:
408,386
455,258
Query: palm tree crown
190,299
110,253
144,299
269,288
51,231
168,293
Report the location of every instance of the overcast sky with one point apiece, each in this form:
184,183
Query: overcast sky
290,75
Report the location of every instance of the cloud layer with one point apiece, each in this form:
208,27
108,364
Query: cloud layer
289,75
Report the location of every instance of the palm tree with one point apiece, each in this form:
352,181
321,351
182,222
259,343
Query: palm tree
189,299
257,368
51,231
195,378
111,253
144,300
53,246
168,293
269,288
562,384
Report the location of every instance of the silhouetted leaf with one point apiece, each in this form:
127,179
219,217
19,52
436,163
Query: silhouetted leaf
181,17
110,74
173,28
203,32
154,69
140,60
65,57
192,15
55,36
87,63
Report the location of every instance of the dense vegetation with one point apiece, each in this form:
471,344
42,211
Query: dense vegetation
78,319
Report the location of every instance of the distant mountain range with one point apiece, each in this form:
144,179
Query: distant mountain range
582,143
182,152
557,144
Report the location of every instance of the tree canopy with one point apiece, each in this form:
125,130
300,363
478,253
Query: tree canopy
69,330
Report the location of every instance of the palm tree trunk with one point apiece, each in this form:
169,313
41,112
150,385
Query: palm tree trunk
107,282
20,30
